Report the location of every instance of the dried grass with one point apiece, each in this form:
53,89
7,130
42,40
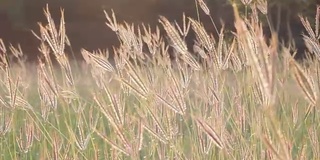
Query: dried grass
225,100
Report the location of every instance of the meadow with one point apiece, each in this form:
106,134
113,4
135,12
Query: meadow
238,97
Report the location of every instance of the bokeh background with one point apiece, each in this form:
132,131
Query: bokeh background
85,20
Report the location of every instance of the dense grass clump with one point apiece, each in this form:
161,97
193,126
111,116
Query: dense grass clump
240,97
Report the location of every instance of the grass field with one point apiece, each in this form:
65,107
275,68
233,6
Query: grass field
240,97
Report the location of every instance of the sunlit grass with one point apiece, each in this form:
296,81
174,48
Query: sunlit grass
243,99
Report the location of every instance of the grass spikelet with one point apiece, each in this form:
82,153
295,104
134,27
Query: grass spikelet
113,145
155,135
313,46
168,104
176,92
2,47
206,10
263,6
155,99
304,82
47,88
191,61
178,44
26,137
174,36
112,21
202,35
270,147
204,7
158,124
185,27
118,111
56,39
314,141
211,133
118,128
229,54
308,27
246,2
139,85
97,60
6,118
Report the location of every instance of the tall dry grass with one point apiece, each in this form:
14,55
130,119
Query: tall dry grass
241,99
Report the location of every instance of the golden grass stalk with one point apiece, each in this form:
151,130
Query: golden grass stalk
308,27
246,2
139,85
66,68
235,61
131,42
112,21
26,137
97,60
220,50
47,88
17,53
204,7
120,58
303,153
305,83
155,135
174,36
197,49
313,137
55,39
6,118
186,26
117,108
261,57
210,133
12,88
113,145
169,104
175,100
21,102
204,145
263,6
137,78
202,36
8,81
130,86
271,148
228,56
206,10
140,135
176,92
185,76
57,145
178,44
191,61
117,127
82,141
152,40
257,93
157,123
2,47
4,103
313,45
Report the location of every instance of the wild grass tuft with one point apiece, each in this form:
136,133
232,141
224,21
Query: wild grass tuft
238,97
